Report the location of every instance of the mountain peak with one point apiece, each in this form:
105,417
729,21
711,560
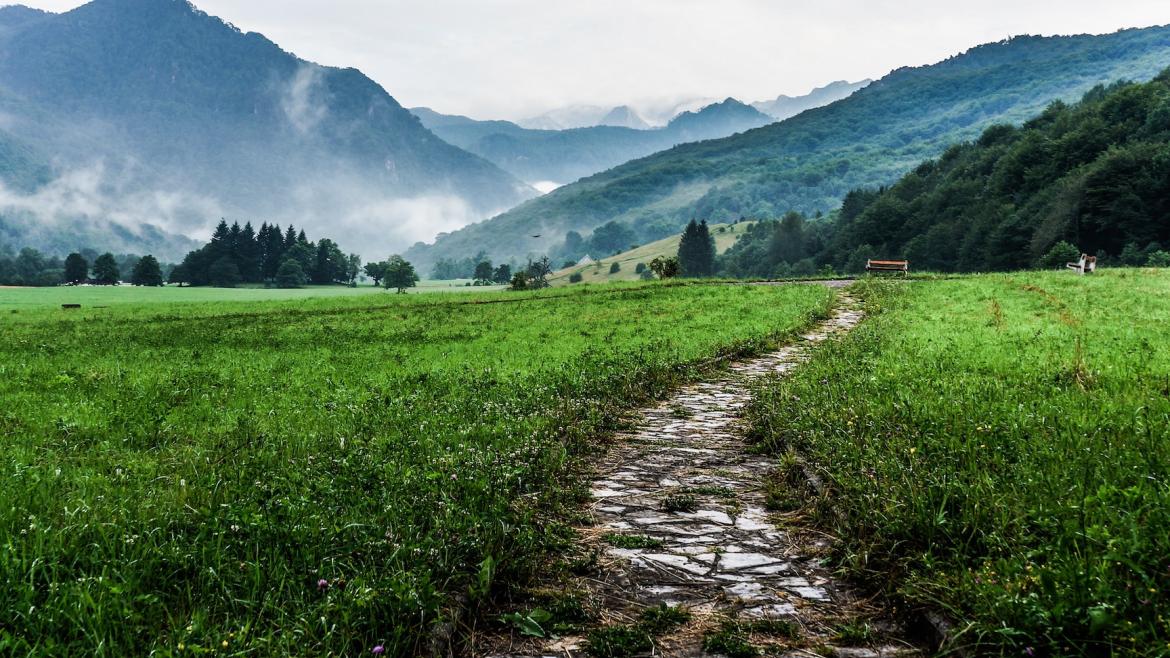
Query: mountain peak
729,109
624,116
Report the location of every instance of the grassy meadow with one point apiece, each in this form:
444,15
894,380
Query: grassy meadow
318,476
89,296
725,236
998,447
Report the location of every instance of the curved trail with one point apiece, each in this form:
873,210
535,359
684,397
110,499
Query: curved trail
726,558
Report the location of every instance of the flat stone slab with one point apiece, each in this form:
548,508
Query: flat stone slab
719,550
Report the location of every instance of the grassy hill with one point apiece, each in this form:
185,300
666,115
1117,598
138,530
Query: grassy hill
810,162
599,272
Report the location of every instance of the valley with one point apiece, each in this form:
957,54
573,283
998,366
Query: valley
295,363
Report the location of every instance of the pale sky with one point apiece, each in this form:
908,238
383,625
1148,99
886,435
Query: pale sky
516,58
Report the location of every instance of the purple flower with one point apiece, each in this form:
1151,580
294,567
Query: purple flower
1029,651
379,650
322,584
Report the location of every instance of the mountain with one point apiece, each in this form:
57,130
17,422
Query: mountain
567,118
563,156
1095,175
151,111
811,161
624,117
784,107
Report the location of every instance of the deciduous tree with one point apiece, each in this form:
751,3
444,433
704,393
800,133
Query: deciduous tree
105,270
400,274
76,269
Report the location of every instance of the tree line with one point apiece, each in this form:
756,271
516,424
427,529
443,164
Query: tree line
30,267
479,268
287,259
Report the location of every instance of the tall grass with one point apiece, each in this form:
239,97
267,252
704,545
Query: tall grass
319,477
999,446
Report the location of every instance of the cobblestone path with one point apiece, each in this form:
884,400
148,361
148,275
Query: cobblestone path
684,483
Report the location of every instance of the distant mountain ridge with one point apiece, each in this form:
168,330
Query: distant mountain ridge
161,113
811,161
784,107
586,116
563,156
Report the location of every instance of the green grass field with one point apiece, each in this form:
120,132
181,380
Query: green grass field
89,296
999,447
318,476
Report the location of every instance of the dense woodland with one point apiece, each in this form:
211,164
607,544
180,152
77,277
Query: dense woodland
1094,175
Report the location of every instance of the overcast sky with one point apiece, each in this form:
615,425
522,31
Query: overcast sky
517,58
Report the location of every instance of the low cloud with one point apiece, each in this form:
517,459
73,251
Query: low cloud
357,213
546,186
301,99
93,195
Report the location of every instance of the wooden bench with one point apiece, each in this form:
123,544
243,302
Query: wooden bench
895,266
1086,265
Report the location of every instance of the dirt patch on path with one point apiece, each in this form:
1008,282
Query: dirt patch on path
679,518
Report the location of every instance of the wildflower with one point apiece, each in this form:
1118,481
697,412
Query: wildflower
182,646
224,644
454,477
322,584
379,650
1029,651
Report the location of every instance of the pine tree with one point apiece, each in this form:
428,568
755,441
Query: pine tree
220,244
249,254
273,252
235,242
696,250
290,237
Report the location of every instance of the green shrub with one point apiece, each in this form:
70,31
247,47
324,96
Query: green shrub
1160,258
1061,254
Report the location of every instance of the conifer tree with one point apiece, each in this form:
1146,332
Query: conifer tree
147,272
696,250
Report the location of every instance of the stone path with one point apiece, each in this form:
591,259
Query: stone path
684,485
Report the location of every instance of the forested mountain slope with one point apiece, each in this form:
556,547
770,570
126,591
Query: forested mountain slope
810,162
151,111
1095,175
563,156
